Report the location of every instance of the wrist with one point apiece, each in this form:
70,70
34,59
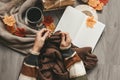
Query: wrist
34,51
65,48
36,48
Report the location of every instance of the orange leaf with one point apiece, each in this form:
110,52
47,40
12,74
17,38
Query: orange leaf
48,20
9,20
96,4
11,29
51,27
104,1
93,3
99,6
90,22
20,32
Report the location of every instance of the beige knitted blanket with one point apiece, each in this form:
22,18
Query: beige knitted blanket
16,8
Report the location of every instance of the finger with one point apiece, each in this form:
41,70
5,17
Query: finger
50,34
46,35
63,34
54,37
68,39
57,31
63,37
91,59
91,55
89,65
42,31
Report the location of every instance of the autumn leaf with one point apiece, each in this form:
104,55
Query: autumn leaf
20,32
90,22
51,27
49,23
11,29
9,20
48,20
99,6
104,1
93,3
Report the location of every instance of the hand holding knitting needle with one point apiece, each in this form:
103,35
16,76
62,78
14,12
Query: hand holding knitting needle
40,39
66,41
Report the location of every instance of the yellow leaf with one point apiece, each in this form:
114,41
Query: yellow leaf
90,22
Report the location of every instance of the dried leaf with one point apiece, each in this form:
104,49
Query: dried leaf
20,32
11,29
99,6
9,20
51,27
93,3
104,1
90,22
48,20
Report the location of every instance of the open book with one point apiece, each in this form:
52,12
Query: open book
73,21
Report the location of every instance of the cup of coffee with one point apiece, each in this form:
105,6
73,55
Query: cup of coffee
34,16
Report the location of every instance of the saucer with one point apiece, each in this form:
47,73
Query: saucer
89,11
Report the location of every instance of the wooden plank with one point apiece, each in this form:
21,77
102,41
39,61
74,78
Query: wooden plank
10,63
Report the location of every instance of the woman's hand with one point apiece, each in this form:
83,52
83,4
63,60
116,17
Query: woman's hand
66,41
40,39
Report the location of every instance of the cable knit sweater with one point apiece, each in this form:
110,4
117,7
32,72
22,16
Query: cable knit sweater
56,64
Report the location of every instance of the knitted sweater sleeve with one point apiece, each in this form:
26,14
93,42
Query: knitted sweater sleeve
29,68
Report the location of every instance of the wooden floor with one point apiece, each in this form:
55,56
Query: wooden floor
107,50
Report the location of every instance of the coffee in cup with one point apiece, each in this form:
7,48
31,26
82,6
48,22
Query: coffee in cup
34,16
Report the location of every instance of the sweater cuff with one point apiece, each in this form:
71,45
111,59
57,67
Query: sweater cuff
67,52
70,56
33,52
31,60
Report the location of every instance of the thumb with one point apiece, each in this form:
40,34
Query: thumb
46,35
63,37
